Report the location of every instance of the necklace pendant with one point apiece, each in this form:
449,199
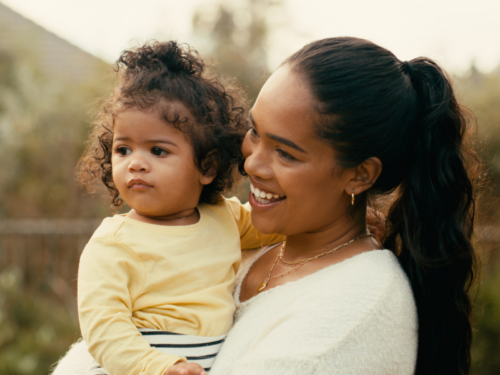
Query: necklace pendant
263,285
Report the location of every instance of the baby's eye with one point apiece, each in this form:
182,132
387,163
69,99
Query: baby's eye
123,150
158,151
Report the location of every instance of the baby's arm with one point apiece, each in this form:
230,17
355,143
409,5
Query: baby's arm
110,277
251,238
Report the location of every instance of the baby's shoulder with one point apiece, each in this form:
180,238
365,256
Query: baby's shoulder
109,228
227,210
112,239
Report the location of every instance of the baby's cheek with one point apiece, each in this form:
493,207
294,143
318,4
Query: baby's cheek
118,176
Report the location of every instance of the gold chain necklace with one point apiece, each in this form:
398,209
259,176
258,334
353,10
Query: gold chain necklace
300,263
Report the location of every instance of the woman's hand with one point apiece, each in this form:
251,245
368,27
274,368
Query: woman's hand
185,368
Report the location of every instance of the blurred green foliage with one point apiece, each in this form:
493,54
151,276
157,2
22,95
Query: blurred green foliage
34,331
233,37
44,125
486,344
481,93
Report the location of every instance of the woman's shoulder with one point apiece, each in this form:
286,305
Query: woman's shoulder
376,269
364,283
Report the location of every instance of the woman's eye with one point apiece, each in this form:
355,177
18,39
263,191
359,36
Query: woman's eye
123,150
158,151
254,133
284,154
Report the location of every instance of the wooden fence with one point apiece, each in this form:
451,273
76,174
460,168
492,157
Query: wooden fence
46,252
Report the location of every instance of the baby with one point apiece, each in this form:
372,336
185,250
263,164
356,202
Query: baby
155,285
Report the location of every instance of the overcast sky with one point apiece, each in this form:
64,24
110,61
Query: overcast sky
454,32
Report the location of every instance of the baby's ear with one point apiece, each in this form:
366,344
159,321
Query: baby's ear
209,167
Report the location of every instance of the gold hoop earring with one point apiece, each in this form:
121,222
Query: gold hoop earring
352,199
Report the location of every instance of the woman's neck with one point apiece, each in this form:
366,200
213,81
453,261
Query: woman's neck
304,245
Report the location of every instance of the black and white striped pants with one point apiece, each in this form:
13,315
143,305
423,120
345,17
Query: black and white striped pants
197,349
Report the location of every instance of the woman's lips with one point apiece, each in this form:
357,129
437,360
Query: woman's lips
262,200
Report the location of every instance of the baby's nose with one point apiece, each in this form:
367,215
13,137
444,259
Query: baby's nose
138,164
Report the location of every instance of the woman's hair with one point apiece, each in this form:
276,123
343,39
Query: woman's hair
370,104
158,75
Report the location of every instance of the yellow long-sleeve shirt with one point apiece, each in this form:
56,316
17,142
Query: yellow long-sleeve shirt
171,278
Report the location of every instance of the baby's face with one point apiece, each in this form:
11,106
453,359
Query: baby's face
153,164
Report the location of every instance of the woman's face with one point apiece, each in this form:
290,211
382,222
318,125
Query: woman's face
301,187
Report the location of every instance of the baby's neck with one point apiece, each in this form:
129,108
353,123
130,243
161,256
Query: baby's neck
186,217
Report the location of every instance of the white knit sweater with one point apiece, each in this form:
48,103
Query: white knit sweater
354,317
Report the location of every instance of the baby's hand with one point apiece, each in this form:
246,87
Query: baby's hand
184,368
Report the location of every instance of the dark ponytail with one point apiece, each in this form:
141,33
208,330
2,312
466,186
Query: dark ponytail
373,105
433,220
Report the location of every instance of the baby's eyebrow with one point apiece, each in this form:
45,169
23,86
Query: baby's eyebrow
148,141
162,141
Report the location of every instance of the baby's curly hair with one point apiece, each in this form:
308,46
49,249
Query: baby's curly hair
157,72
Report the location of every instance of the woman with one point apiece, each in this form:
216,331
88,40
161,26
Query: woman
341,122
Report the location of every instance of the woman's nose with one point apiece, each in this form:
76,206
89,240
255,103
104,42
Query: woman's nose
257,161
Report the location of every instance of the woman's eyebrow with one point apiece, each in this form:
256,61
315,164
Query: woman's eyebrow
285,142
277,138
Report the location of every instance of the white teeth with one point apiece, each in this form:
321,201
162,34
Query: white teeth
261,200
264,197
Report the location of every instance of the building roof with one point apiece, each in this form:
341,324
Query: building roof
22,38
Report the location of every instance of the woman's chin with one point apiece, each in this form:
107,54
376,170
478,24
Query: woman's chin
264,215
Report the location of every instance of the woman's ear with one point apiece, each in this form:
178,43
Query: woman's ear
365,176
209,168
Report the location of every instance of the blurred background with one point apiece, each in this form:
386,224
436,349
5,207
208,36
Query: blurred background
55,65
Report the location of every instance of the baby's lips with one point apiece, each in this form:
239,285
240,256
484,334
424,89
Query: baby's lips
137,181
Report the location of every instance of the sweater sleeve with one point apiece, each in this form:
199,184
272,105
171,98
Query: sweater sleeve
250,237
110,276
